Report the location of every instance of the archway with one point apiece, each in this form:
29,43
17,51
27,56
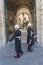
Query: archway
23,17
16,9
12,6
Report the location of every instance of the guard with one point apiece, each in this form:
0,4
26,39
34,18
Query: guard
17,37
30,37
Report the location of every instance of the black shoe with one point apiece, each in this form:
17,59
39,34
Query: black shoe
30,50
16,57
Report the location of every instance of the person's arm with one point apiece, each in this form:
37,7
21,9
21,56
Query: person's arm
12,38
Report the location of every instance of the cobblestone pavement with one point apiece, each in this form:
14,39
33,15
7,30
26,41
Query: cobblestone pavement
28,58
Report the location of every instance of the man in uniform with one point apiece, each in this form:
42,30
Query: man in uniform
17,37
30,37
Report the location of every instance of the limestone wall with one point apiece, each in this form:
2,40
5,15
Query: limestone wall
39,21
42,21
39,14
2,24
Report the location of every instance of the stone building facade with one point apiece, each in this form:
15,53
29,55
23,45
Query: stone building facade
39,22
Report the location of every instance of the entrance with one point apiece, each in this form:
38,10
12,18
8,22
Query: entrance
19,12
23,17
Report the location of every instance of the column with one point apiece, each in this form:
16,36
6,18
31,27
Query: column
42,21
39,21
2,24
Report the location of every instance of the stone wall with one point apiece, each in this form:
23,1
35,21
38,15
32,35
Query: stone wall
39,21
42,21
2,24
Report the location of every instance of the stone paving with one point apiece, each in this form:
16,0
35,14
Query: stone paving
28,58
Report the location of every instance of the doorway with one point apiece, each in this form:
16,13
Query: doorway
19,12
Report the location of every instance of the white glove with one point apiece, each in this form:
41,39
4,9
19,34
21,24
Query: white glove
30,40
8,42
35,36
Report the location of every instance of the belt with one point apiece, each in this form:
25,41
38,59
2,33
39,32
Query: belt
18,37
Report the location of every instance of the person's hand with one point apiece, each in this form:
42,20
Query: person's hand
8,42
30,40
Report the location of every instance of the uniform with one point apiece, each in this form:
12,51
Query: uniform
30,37
17,37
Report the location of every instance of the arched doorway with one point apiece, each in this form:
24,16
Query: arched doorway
23,17
20,12
11,6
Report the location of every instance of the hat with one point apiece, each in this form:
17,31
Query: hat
16,26
29,24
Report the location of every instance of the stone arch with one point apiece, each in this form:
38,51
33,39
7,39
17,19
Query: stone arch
24,10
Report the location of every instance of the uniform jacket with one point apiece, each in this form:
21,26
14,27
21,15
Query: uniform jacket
29,35
17,37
